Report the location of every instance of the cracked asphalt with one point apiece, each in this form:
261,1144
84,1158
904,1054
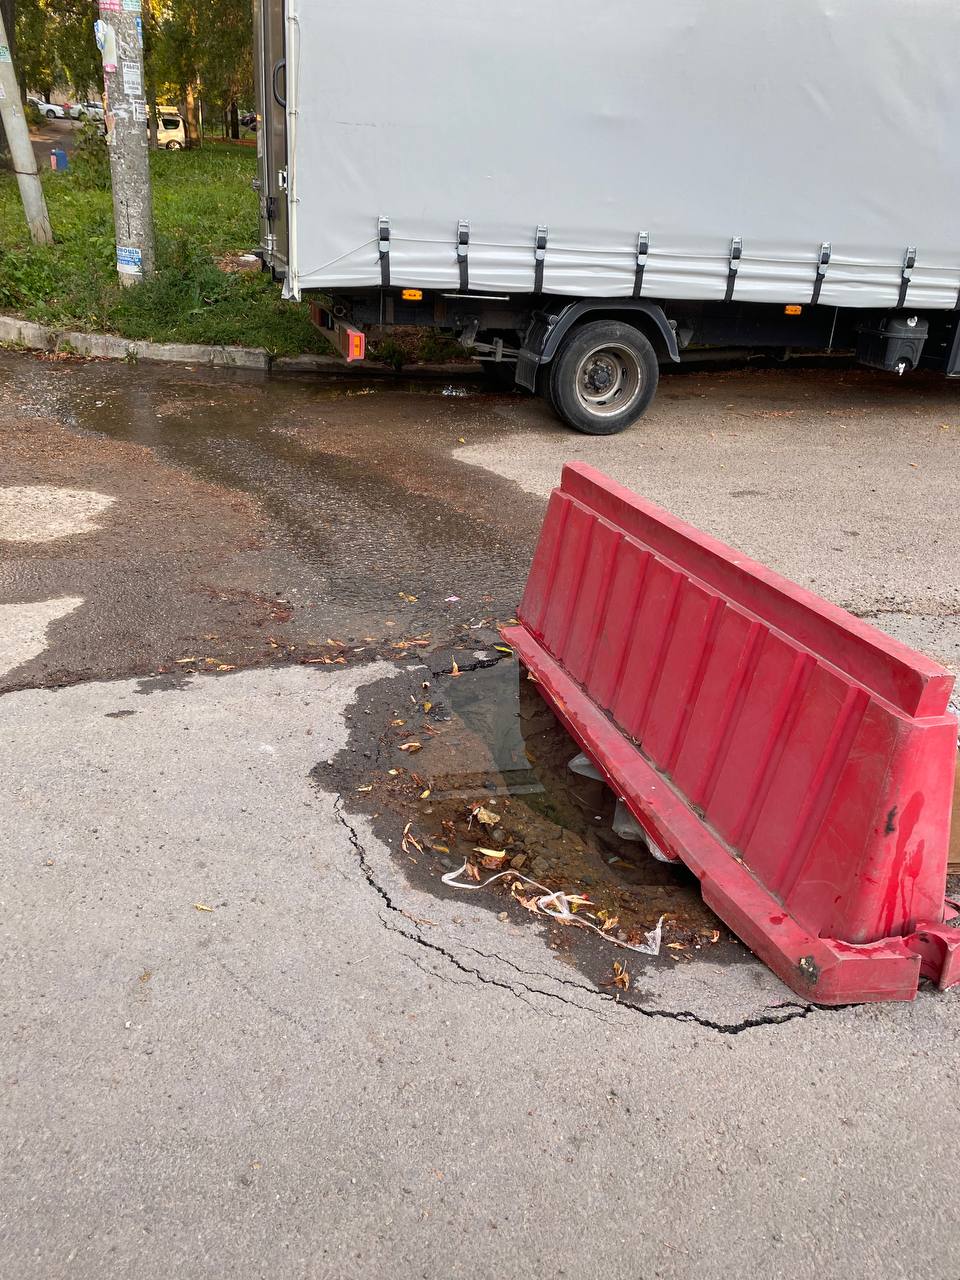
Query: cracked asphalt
239,1037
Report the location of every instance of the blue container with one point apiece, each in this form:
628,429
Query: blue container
58,158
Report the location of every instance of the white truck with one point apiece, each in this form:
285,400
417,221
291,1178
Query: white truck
580,192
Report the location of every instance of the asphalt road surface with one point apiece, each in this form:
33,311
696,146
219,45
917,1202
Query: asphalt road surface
241,1036
53,133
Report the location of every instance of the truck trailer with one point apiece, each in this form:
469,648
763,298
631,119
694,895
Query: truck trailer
580,193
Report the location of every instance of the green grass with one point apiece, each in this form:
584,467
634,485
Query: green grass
204,206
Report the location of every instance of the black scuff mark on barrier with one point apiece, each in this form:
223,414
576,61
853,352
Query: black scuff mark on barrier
778,1015
891,826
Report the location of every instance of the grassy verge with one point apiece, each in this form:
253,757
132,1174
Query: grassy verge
204,207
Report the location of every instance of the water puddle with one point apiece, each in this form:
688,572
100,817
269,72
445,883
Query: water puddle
340,387
479,761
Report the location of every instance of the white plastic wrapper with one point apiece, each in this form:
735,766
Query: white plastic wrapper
627,827
584,766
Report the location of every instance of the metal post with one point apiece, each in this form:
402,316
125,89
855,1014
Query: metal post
120,39
21,148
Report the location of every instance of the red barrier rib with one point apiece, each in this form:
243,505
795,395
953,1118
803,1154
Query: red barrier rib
796,758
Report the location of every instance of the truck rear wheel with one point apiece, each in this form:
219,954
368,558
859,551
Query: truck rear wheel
603,377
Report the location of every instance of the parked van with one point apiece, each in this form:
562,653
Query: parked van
171,133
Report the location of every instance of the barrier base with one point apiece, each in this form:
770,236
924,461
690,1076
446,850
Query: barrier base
822,970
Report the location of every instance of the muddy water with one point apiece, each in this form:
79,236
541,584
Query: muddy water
488,739
365,523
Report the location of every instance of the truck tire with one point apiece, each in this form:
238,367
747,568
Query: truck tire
603,377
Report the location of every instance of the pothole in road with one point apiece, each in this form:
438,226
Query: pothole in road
454,764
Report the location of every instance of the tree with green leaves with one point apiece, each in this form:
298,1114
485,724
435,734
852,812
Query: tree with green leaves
190,50
205,53
56,46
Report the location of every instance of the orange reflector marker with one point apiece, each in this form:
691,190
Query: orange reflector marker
793,310
412,295
352,342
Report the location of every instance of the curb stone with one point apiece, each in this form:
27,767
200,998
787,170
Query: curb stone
16,332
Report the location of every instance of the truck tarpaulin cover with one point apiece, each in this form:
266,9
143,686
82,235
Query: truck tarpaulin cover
787,125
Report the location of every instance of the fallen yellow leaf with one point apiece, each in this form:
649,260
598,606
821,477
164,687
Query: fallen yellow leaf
199,906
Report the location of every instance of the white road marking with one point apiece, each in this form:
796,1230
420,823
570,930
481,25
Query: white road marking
23,628
43,512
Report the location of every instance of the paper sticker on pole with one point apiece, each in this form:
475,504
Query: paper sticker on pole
106,38
797,760
132,80
129,260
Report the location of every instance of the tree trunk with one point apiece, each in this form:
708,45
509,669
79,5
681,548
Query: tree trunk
191,117
151,75
152,118
234,119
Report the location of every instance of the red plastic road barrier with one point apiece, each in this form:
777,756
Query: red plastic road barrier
797,760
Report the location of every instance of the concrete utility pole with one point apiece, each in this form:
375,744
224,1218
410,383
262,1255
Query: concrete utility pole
119,34
21,148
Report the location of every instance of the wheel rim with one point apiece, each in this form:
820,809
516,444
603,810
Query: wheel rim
609,380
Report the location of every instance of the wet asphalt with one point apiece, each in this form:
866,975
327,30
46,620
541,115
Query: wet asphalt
257,519
260,517
248,1030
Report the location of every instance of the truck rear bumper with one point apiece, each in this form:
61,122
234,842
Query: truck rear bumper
347,341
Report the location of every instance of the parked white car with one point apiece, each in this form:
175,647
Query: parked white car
171,133
52,110
87,111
